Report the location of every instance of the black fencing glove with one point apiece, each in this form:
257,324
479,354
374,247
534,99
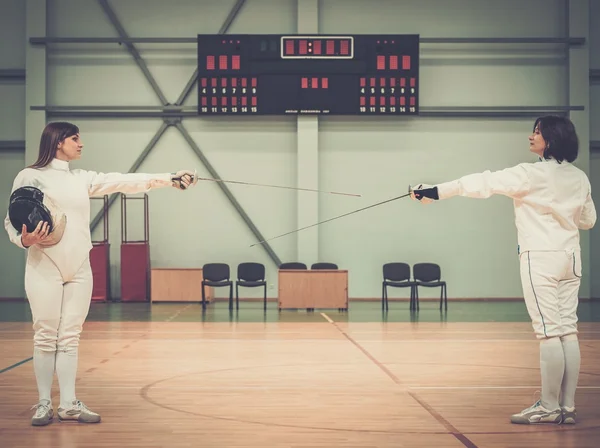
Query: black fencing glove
424,193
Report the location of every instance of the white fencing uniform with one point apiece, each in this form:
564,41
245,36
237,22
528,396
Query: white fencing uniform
58,279
552,202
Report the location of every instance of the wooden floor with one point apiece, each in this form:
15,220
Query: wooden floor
299,384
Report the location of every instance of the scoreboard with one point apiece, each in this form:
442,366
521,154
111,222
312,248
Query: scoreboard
254,74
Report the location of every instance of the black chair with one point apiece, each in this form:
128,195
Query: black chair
250,275
324,266
430,276
216,275
397,274
292,265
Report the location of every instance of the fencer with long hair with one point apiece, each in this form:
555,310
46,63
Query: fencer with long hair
553,202
58,276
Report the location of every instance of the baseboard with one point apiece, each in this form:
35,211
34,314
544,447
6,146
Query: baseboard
437,299
351,299
453,299
404,299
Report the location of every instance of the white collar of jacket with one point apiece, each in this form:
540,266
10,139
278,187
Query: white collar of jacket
58,164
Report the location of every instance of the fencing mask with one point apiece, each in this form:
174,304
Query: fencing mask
29,206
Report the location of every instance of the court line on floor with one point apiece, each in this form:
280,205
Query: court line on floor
322,339
582,332
308,387
386,331
177,313
488,387
16,365
440,419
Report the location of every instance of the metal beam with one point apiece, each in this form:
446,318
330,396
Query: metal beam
136,55
503,40
495,112
227,192
191,111
120,114
167,108
231,16
179,108
12,145
134,167
422,114
194,79
15,74
474,114
112,40
502,108
194,40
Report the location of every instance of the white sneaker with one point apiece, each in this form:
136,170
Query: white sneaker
78,412
44,414
537,414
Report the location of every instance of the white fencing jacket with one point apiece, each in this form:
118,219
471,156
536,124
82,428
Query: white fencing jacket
552,201
71,190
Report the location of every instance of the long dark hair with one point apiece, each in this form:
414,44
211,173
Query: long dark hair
560,136
52,135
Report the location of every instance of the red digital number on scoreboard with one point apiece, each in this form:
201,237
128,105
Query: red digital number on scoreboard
311,47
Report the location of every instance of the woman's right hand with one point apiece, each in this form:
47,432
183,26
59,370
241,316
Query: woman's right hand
38,235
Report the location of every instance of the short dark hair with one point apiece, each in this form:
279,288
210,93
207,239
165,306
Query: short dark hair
561,138
52,135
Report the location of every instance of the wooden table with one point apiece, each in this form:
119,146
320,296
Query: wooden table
178,285
313,289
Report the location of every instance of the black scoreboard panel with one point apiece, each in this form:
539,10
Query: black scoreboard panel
270,74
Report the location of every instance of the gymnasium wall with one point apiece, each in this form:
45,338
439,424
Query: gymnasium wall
474,241
594,18
12,129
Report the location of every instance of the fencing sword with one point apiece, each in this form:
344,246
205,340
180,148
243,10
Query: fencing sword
268,185
337,217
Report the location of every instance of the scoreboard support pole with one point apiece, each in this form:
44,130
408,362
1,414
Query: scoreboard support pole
307,162
308,177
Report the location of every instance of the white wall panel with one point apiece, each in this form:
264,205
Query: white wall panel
12,260
445,18
473,241
12,128
12,110
12,34
594,44
191,228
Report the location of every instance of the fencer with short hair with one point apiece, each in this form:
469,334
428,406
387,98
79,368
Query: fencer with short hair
552,202
58,276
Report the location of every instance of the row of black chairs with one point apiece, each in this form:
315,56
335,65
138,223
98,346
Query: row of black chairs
298,265
249,274
396,274
428,275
